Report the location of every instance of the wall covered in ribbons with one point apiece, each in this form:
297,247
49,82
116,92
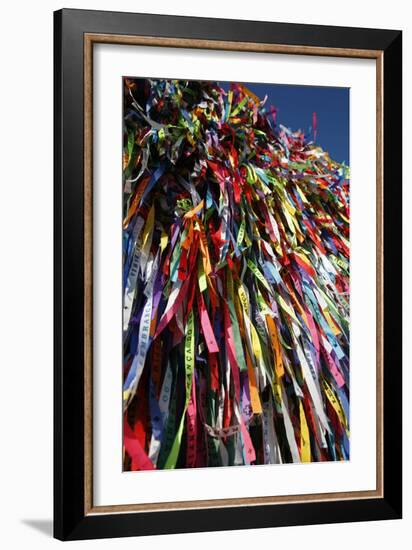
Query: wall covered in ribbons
235,274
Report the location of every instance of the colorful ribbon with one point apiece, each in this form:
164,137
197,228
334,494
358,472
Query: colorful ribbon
235,281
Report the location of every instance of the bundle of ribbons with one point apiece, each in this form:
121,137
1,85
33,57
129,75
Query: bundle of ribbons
236,283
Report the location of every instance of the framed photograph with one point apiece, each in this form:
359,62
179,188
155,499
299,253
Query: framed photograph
227,274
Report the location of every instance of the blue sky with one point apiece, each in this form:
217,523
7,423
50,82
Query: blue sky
296,104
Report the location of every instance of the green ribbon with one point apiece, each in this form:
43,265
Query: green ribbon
189,367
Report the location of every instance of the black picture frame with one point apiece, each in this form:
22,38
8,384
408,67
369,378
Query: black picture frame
71,522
